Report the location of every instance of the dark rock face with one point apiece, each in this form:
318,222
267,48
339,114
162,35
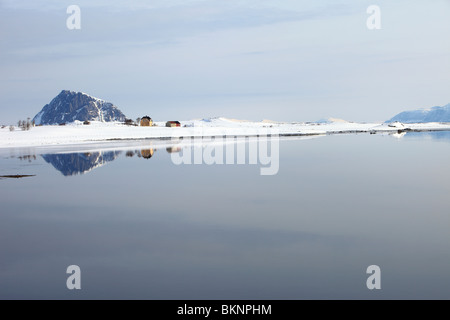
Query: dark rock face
69,106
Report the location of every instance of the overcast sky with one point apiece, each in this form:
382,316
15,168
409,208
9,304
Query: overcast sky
280,60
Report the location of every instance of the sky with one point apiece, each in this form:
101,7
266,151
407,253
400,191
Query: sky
282,60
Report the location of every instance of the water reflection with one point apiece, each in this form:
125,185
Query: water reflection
147,153
74,163
435,135
173,149
400,134
338,205
70,164
27,157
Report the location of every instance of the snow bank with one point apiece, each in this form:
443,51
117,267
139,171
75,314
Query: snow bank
75,133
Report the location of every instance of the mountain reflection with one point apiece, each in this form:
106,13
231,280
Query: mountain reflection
434,135
70,164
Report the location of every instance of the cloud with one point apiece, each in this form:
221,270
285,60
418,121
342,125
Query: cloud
234,58
37,28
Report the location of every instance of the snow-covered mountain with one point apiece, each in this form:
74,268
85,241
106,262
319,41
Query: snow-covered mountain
435,114
69,106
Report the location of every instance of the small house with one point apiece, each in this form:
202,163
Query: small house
146,121
172,124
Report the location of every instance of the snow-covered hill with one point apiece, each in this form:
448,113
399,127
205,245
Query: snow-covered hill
69,106
435,114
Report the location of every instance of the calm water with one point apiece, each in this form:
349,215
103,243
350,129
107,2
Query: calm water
141,227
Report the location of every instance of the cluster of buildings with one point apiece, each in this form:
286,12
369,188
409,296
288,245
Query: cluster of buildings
146,121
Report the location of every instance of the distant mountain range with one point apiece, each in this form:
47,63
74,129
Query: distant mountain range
69,106
435,114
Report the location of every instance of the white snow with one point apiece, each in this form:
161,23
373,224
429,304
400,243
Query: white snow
95,98
396,124
76,133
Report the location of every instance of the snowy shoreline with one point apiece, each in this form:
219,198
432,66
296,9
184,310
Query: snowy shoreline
77,133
